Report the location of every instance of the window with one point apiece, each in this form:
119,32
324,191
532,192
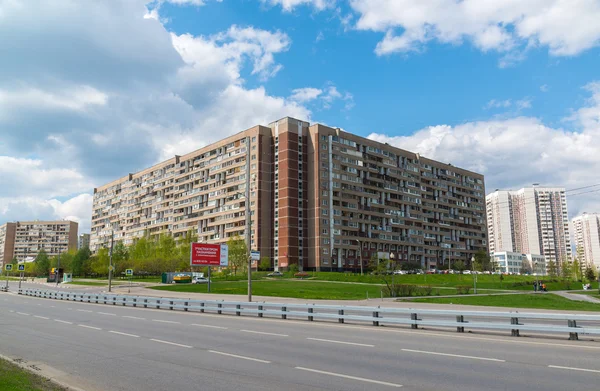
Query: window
254,139
253,147
253,166
324,193
325,241
253,157
325,252
325,203
324,231
323,138
324,147
325,222
325,212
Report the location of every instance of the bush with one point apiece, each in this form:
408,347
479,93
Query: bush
463,289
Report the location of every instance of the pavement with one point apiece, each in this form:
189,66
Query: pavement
577,297
108,348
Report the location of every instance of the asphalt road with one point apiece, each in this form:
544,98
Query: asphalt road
106,348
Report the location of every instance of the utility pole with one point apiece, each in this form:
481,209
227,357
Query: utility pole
58,268
110,265
248,220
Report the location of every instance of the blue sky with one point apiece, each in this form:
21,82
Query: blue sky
90,91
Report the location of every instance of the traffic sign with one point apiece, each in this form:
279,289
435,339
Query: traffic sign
21,268
8,267
111,268
129,272
255,255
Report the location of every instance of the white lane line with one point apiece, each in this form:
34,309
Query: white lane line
89,327
107,313
40,317
133,317
209,326
171,343
351,377
62,321
264,333
22,313
574,369
52,306
242,357
453,355
84,311
11,311
40,305
341,342
165,321
125,334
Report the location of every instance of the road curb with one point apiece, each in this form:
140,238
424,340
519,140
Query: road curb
45,373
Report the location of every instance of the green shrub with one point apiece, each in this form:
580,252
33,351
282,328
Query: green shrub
463,289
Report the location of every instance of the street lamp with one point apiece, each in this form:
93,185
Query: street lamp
392,256
537,282
474,274
360,255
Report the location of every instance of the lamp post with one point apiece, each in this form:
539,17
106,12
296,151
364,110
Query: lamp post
392,256
110,259
474,274
537,282
598,274
360,255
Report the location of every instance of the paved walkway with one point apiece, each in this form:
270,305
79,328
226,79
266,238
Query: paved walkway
577,297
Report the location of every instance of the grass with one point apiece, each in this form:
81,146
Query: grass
87,283
301,289
540,301
13,378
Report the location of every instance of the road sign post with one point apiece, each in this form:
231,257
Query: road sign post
7,268
21,268
129,274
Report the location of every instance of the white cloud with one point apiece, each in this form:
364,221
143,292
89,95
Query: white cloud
100,89
305,94
518,151
289,5
544,88
519,105
326,96
565,27
494,104
320,37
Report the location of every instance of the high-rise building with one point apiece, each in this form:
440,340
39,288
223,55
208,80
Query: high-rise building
530,221
314,196
587,239
84,241
24,239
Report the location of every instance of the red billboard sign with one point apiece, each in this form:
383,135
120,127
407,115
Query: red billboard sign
203,254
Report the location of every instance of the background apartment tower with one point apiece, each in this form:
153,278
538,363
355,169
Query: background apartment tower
316,195
587,239
7,242
530,221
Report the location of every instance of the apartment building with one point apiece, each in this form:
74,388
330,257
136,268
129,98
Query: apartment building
513,263
7,243
587,239
83,241
25,239
312,195
530,221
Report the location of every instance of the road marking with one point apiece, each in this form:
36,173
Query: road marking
11,311
133,317
453,355
40,317
341,342
85,311
209,326
165,321
264,333
242,357
22,313
89,327
171,343
125,334
574,369
107,313
350,377
62,321
52,306
40,305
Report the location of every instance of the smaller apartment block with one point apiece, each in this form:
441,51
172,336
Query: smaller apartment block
509,262
25,239
587,239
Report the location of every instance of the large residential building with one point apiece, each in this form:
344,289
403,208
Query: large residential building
7,243
24,239
315,196
587,238
530,221
84,241
515,263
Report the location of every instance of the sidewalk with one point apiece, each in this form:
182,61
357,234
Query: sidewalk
577,297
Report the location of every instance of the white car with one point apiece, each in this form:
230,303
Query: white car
199,280
466,272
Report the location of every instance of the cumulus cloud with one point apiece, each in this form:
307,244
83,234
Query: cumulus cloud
290,5
565,27
95,90
519,151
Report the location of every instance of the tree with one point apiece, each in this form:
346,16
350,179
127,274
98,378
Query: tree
42,263
566,270
99,262
589,274
238,253
552,269
265,264
410,266
80,263
120,257
14,261
459,265
483,261
525,267
577,269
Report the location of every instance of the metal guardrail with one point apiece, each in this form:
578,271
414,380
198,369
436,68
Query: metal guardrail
376,316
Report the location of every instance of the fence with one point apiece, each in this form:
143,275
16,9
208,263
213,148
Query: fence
377,316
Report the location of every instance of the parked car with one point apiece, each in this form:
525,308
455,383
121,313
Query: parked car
200,280
466,272
400,272
275,274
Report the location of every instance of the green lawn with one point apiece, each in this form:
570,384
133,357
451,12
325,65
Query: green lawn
302,289
87,283
540,300
13,378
